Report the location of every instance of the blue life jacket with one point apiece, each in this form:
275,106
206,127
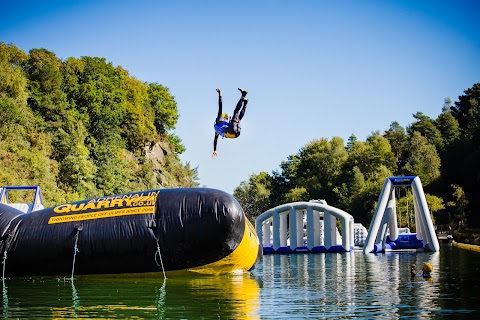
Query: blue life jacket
221,127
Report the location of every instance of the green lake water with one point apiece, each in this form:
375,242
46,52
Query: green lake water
296,286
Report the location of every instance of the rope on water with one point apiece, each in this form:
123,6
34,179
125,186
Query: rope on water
75,250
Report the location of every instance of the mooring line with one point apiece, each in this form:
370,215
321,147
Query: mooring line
4,262
75,250
161,261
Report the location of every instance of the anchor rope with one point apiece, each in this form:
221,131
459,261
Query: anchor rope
3,263
75,250
161,261
8,243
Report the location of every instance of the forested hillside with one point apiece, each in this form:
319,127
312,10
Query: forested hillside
444,152
82,128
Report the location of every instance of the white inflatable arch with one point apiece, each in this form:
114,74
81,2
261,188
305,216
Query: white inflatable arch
286,222
385,217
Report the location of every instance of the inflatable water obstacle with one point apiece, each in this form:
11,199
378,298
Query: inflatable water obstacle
385,218
313,226
185,230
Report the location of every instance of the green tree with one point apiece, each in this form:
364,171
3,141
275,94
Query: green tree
353,195
371,155
137,126
406,212
46,99
254,195
423,159
459,206
13,93
316,167
351,142
296,194
12,80
364,202
426,127
397,138
164,107
462,109
448,126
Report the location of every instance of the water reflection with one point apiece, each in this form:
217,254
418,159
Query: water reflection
390,285
75,299
351,285
281,286
5,299
233,296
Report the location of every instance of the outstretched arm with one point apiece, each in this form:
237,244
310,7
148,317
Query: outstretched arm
219,115
214,155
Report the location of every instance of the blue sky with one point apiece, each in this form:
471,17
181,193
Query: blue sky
313,69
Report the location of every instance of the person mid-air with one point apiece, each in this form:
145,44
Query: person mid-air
225,128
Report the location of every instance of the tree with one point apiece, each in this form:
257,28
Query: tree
355,184
12,80
164,107
406,212
369,156
254,194
296,194
77,170
462,107
43,70
351,142
13,93
435,204
316,167
423,159
459,206
363,202
448,126
426,127
397,138
138,122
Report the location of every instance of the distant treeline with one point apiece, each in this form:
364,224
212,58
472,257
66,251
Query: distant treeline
444,152
82,128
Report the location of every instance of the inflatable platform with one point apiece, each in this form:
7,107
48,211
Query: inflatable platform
191,230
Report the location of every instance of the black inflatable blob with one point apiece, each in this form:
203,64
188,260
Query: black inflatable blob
122,233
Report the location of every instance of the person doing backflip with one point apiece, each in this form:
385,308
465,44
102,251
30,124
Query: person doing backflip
225,128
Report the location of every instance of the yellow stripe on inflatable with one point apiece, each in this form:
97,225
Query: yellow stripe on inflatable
242,258
102,214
